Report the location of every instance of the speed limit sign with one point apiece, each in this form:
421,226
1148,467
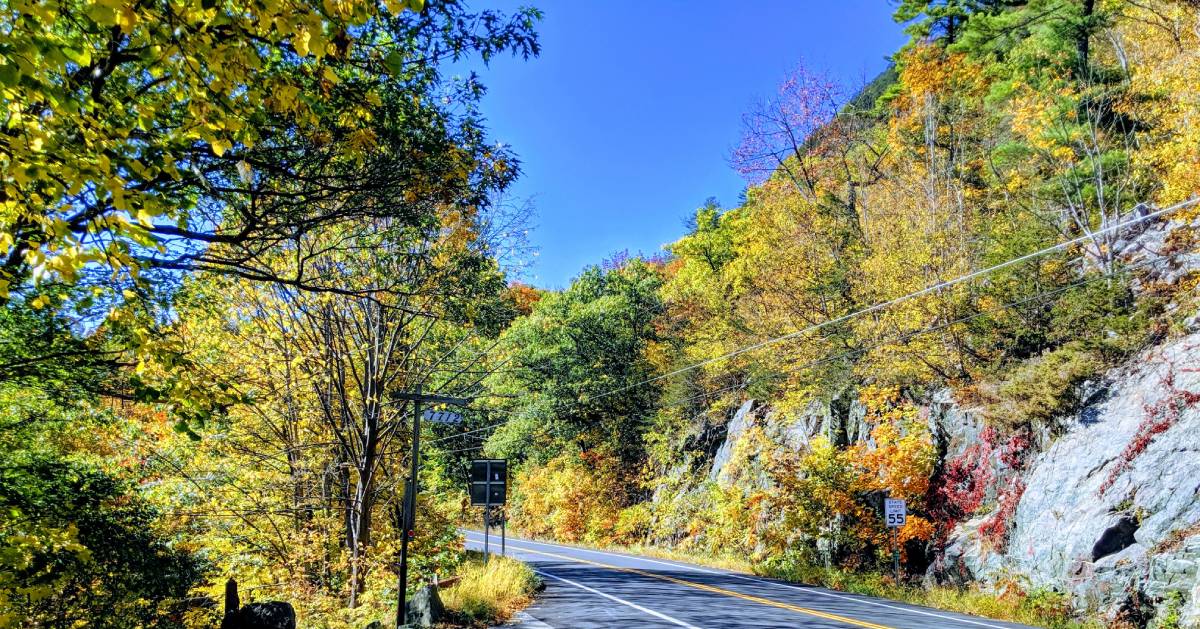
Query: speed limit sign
894,512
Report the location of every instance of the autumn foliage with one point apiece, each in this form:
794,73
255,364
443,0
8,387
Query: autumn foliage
1002,129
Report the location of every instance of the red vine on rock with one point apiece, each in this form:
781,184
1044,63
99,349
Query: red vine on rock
995,529
962,485
1159,417
1015,451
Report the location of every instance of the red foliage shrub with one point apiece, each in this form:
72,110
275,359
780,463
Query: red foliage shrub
961,485
960,488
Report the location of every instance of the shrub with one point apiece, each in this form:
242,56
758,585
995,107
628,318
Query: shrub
573,498
633,523
1044,388
1169,616
78,547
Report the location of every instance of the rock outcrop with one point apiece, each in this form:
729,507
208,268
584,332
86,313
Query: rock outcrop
424,608
1103,505
1111,510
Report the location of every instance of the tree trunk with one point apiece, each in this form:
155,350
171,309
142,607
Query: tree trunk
1083,41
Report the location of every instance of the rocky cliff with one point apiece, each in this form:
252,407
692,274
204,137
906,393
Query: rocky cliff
1110,511
1103,504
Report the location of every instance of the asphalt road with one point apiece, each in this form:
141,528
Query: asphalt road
593,589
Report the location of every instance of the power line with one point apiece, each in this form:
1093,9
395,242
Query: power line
891,302
900,338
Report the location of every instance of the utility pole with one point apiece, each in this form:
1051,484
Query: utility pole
409,518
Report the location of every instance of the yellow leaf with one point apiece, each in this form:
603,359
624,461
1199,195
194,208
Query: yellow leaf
300,42
39,302
219,147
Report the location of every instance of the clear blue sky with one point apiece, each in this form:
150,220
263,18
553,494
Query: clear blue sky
625,122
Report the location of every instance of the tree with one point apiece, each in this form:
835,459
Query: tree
563,361
943,20
324,366
778,133
159,135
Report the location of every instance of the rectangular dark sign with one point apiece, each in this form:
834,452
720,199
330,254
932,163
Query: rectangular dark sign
489,482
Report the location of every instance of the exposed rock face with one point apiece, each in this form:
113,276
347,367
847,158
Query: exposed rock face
741,421
1113,506
1144,244
1108,507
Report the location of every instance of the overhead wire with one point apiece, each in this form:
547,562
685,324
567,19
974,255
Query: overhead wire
902,298
901,338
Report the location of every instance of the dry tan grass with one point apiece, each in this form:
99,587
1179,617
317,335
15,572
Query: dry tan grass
490,593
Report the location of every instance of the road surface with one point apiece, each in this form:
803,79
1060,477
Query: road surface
588,589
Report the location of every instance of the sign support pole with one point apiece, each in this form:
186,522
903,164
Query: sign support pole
503,533
410,514
409,509
896,553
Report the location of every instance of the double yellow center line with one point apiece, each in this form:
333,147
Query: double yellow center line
711,588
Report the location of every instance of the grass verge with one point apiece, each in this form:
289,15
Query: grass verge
1037,607
490,593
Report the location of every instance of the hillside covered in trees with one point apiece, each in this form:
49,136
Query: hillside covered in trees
231,235
757,389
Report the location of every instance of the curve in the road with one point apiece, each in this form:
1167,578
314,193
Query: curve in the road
553,561
708,588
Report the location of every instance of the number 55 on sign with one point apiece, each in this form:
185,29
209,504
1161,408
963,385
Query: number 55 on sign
894,512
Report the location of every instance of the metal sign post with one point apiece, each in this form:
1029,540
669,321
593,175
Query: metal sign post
895,514
409,517
489,488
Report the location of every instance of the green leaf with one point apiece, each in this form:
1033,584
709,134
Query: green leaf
394,62
78,54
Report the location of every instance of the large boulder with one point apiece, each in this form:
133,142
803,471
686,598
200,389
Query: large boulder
424,608
265,615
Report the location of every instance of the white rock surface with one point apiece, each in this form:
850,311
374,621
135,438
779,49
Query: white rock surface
1065,509
738,424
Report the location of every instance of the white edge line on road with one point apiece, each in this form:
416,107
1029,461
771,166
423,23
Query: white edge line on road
857,599
525,619
622,601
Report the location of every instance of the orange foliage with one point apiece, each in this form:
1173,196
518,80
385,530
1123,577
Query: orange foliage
573,497
524,297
